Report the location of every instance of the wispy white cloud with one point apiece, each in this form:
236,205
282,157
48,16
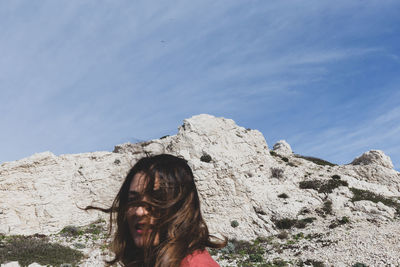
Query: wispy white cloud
342,144
79,75
389,116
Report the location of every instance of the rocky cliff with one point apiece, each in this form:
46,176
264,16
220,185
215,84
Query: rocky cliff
247,191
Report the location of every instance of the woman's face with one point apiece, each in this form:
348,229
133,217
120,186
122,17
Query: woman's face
139,219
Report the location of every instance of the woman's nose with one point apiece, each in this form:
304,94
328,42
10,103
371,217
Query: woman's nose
141,211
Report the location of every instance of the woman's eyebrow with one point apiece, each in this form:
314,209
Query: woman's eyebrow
136,193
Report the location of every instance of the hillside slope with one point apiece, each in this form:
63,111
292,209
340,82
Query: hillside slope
350,213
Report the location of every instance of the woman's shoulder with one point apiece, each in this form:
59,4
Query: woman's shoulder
199,258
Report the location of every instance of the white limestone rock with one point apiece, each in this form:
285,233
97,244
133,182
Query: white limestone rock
43,193
16,264
10,264
375,210
374,157
378,176
35,265
232,168
283,148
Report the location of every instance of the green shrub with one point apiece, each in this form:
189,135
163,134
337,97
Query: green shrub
322,186
283,195
298,236
308,220
335,177
254,251
327,207
304,211
309,262
234,223
360,194
303,223
29,249
79,245
333,225
256,257
310,184
94,229
316,160
214,251
205,158
275,263
313,236
71,231
328,186
229,248
273,153
336,223
344,220
248,254
358,264
277,173
290,242
282,235
291,164
287,223
241,246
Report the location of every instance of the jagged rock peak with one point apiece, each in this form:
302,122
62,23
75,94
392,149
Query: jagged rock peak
374,157
31,160
283,148
205,123
195,132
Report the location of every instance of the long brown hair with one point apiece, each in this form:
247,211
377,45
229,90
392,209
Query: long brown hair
175,206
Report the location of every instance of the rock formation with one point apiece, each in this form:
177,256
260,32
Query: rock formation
282,148
239,181
374,157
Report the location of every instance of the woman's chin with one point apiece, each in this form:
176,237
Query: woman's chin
138,242
139,239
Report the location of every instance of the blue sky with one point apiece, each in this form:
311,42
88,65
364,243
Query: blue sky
81,76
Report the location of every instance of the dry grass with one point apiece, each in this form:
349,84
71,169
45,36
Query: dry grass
29,249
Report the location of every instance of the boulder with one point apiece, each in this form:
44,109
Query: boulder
374,157
282,148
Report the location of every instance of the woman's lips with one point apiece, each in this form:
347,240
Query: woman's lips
140,228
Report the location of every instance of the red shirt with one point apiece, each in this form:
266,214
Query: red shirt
199,259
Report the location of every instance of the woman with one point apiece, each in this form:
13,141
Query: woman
158,218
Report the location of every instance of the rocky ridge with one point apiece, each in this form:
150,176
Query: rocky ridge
247,192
